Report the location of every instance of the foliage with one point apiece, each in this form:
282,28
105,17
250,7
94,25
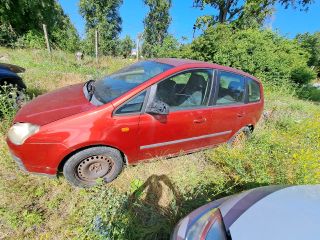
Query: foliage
32,39
311,43
23,19
170,47
302,75
244,13
7,106
263,53
310,93
156,25
104,17
125,47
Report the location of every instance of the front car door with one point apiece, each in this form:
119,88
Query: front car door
188,125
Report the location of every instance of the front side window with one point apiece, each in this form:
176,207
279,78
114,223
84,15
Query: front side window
133,106
231,89
114,85
188,89
253,91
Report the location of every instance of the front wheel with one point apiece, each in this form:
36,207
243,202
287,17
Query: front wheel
85,167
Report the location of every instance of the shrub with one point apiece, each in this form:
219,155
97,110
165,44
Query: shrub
7,107
302,75
32,39
169,47
310,93
263,53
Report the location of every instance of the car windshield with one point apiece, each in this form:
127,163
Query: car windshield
114,85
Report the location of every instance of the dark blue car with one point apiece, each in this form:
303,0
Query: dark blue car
9,76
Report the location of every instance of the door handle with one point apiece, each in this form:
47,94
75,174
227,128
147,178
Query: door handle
200,120
240,114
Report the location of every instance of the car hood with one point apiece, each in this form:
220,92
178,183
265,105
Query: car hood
54,105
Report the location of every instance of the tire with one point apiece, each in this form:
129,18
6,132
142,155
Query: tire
238,138
85,167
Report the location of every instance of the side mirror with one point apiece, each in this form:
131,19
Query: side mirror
158,107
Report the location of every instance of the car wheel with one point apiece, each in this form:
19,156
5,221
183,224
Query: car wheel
239,138
85,167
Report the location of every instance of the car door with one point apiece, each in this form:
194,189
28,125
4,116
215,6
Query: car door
188,124
254,103
228,105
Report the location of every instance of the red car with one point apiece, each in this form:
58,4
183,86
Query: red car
152,108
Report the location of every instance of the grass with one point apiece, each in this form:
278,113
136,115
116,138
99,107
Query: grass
147,200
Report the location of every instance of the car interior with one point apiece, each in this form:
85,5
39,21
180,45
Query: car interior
177,94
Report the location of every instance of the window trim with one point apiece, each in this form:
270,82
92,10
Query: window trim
144,105
217,90
153,88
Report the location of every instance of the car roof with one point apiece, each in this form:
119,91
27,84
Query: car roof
287,213
176,62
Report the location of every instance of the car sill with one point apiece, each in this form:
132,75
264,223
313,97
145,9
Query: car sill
184,140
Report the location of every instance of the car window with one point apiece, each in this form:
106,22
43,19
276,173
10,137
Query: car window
116,84
253,91
187,89
231,89
133,106
216,231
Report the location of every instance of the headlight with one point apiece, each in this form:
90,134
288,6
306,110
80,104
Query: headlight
19,132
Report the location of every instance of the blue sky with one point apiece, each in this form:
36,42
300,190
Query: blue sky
288,22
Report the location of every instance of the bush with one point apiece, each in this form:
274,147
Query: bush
263,53
303,75
7,35
32,39
310,93
7,107
169,47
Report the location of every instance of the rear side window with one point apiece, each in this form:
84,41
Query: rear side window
253,91
231,89
132,106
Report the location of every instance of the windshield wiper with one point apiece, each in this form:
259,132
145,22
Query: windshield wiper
90,88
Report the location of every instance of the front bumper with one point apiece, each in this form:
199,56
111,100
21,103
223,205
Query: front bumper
18,162
38,158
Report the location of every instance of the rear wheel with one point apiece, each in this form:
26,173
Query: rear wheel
240,137
85,167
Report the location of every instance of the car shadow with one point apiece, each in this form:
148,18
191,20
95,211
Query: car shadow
157,205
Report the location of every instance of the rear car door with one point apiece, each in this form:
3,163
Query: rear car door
228,101
254,102
188,125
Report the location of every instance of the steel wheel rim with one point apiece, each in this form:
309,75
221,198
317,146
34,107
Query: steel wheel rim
94,167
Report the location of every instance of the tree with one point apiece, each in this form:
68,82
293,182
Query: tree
263,53
170,47
23,19
156,25
126,46
244,13
311,43
102,16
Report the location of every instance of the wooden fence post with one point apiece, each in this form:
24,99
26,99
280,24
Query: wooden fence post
96,44
46,37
